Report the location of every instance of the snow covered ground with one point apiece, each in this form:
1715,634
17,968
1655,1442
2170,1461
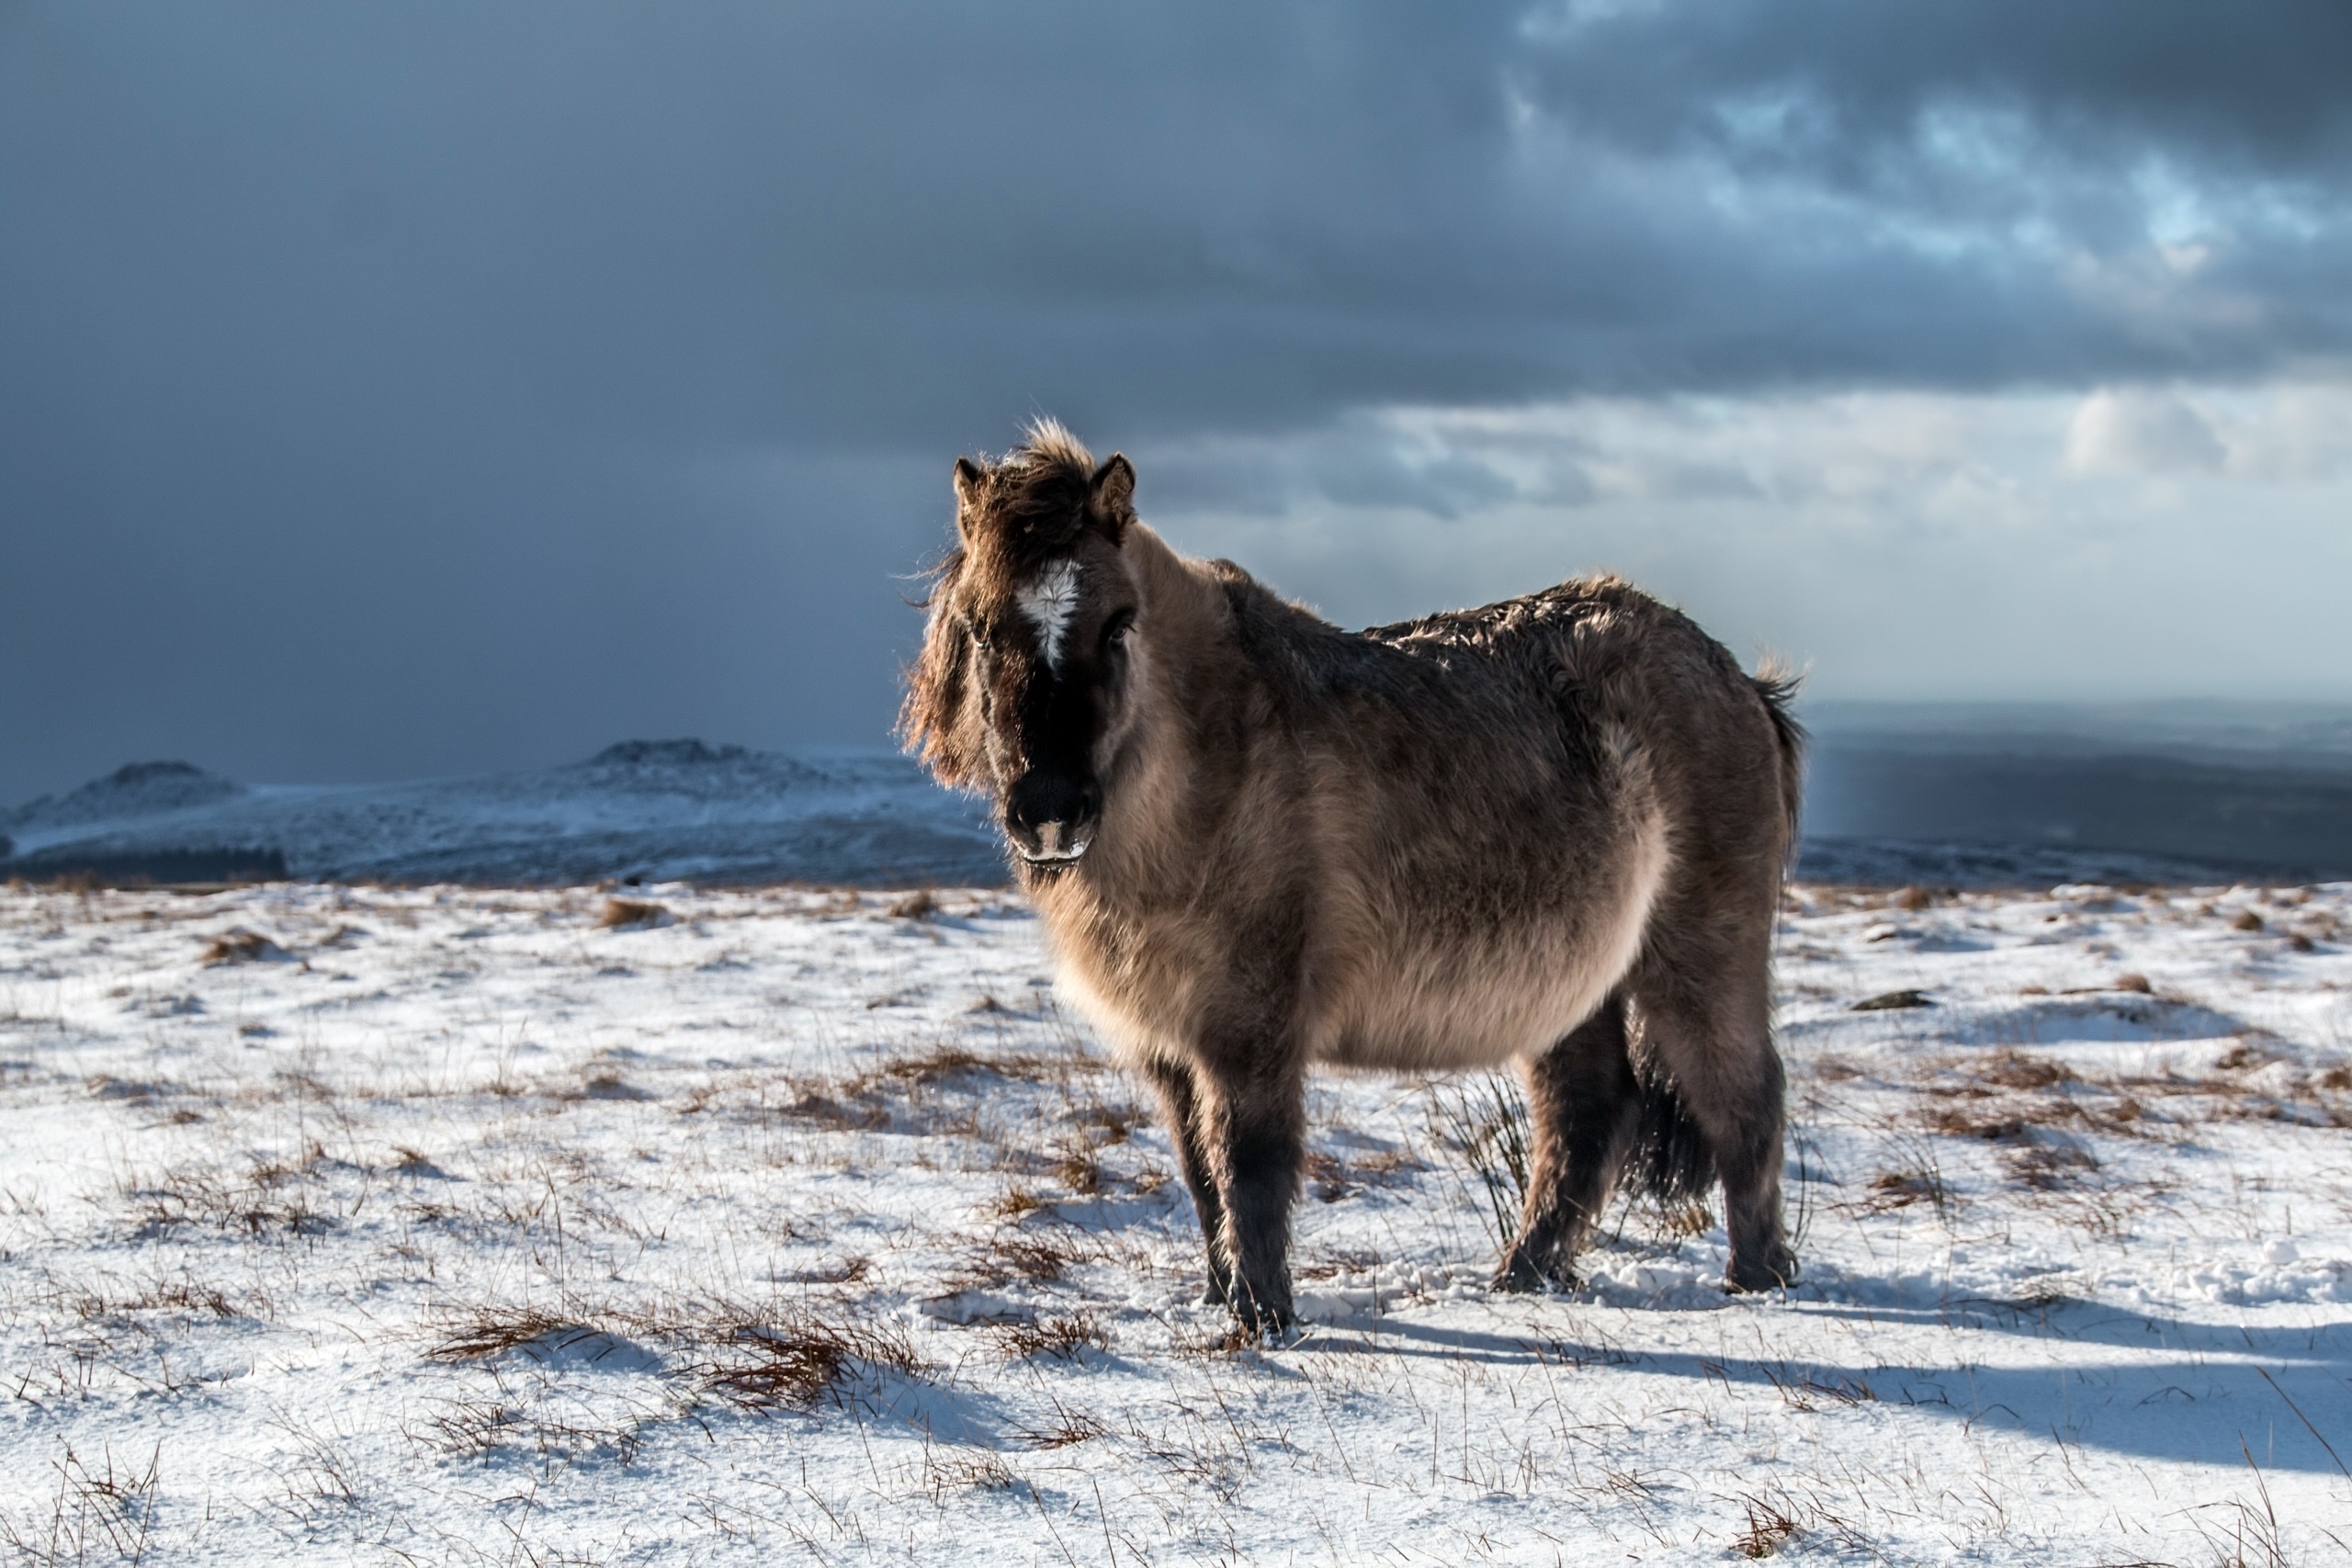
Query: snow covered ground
463,1226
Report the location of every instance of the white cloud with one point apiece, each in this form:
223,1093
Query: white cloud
2139,542
2135,431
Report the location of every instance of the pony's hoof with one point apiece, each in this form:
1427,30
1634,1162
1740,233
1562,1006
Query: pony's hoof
1777,1274
1520,1278
1262,1319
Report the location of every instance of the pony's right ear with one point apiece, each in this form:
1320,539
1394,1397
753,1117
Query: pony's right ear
1114,495
971,483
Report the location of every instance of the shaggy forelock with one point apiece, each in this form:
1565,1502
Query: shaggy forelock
1030,510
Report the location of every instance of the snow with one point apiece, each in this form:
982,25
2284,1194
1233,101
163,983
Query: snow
457,1226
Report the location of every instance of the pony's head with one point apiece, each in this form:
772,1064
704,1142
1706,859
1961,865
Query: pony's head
1024,688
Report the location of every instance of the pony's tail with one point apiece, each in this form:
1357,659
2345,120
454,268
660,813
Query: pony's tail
1672,1160
1777,684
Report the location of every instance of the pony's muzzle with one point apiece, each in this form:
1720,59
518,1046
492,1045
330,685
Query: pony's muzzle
1051,817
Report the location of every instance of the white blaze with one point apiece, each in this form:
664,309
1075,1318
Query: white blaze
1049,601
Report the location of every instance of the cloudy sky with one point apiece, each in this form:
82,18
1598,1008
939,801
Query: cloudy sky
390,391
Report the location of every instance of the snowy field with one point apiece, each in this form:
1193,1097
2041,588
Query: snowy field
347,1224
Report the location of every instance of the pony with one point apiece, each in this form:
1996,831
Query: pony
1551,831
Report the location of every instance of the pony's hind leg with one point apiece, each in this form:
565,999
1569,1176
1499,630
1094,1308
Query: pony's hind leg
1180,1107
1709,1029
1583,1108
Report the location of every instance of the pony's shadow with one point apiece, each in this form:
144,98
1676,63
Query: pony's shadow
2211,1395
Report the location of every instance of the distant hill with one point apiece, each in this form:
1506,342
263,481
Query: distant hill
656,811
1929,794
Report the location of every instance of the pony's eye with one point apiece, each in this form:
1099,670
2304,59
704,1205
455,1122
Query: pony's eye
1117,632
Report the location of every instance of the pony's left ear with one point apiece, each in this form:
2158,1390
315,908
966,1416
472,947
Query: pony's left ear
971,489
1114,499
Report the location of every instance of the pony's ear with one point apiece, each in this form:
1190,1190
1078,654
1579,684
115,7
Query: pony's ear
971,484
1112,501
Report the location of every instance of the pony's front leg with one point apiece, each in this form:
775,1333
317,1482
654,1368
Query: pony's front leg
1180,1106
1255,1119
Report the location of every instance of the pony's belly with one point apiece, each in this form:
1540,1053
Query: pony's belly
1465,1009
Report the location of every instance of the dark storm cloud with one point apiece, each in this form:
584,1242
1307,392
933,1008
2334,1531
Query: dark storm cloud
395,388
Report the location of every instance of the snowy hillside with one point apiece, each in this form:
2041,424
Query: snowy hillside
361,1225
722,814
678,809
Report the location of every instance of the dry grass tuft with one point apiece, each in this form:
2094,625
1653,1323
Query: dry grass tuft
1013,1255
610,1085
1768,1530
1075,1168
922,904
269,1198
1327,1176
793,1363
2015,1069
1067,1429
99,1513
245,947
1112,1124
1065,1338
948,1063
1485,1123
492,1331
1901,1189
1013,1203
621,914
978,1471
853,1114
2247,920
181,1295
1891,1001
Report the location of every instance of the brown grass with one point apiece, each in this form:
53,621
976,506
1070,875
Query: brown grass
1893,1190
2015,1069
1013,1255
1013,1203
794,1363
622,913
1890,1001
269,1198
1065,1338
1075,1168
852,1116
1067,1429
243,947
473,1336
978,1471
